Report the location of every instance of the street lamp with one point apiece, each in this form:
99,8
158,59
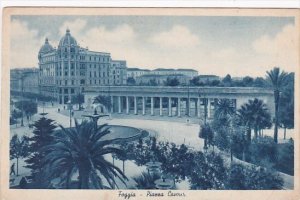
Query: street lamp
70,109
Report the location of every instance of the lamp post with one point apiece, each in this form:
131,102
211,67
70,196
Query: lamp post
70,109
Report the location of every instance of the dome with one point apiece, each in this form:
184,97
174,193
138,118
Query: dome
46,47
67,40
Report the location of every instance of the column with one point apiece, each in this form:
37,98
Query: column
112,104
119,106
170,106
127,105
160,106
178,107
196,106
135,105
208,108
199,107
152,105
144,107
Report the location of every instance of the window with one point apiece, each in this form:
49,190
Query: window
72,91
66,82
95,75
90,82
72,82
90,74
65,91
66,73
95,82
72,73
82,81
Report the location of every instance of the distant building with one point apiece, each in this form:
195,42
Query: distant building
65,72
138,73
150,79
26,79
208,78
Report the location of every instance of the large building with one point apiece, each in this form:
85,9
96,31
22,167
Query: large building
67,70
25,80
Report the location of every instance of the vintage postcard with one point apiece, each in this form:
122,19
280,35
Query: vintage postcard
150,103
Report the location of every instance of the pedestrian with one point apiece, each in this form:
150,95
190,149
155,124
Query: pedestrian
12,169
58,109
64,107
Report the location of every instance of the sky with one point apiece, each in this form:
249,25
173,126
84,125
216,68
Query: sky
236,45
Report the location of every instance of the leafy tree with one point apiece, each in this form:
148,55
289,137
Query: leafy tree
131,81
78,99
208,172
277,79
105,101
172,82
18,148
253,178
227,81
195,81
207,134
247,81
82,149
42,136
29,107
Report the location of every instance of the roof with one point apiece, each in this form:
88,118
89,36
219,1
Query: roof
192,70
46,47
67,40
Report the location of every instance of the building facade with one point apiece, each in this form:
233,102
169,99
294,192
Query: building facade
24,79
65,72
138,73
154,79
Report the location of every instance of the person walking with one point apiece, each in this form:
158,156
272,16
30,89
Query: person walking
12,169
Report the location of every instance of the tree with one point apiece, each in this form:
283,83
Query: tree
82,149
253,178
18,149
208,172
227,81
224,109
131,81
277,79
105,101
172,82
78,99
29,108
42,136
207,134
286,108
254,115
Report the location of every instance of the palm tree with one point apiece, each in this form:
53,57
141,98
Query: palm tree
81,149
254,115
224,109
277,78
105,101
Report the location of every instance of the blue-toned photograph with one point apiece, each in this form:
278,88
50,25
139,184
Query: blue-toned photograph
152,102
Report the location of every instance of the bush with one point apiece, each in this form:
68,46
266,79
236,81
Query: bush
253,178
208,172
263,151
285,161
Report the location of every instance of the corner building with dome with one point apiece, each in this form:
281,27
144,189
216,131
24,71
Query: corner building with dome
65,72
